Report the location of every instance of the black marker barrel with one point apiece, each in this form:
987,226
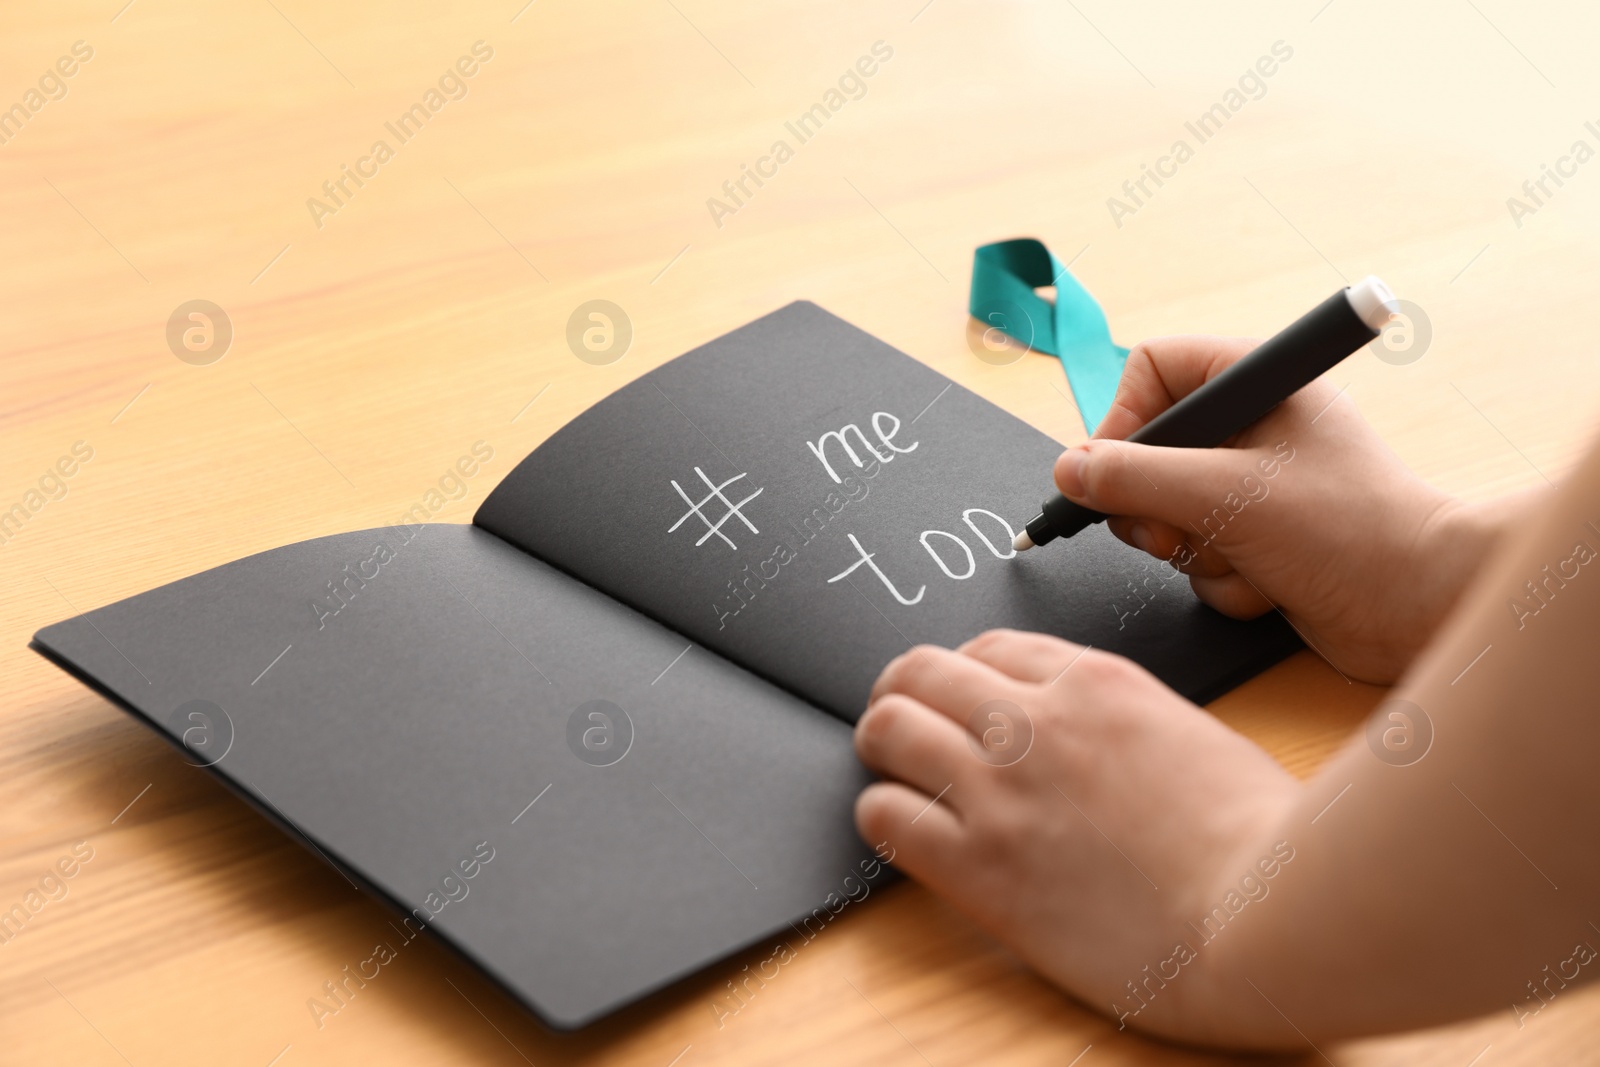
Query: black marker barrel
1242,394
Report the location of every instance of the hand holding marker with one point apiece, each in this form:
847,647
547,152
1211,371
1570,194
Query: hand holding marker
1244,392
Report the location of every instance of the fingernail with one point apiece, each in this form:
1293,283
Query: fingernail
1069,473
1143,539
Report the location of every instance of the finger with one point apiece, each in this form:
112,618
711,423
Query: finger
908,741
946,681
920,836
1232,595
1201,559
1160,539
1180,549
1034,658
1183,487
1162,371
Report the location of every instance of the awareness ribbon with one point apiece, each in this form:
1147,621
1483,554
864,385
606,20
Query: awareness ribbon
1004,277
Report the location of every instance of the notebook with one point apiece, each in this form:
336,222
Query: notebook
600,738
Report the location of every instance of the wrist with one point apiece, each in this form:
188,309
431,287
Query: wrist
1489,520
1223,1006
1454,540
1212,950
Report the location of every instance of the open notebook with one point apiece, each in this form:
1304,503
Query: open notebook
600,738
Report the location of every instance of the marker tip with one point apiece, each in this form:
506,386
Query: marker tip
1022,542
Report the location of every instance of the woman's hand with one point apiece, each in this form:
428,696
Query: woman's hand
1307,511
1075,807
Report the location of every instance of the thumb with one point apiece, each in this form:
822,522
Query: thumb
1178,486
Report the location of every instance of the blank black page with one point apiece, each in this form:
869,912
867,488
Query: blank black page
706,495
426,723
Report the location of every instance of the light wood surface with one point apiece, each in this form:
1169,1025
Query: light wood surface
431,309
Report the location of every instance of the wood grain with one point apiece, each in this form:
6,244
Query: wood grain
431,309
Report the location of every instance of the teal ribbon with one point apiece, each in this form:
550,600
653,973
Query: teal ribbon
1074,329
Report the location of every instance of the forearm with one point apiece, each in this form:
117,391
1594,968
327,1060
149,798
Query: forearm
1431,884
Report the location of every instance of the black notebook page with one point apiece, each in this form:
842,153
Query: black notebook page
810,502
433,736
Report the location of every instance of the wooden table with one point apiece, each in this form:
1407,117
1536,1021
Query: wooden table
374,343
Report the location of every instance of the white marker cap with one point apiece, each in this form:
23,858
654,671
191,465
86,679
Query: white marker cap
1372,301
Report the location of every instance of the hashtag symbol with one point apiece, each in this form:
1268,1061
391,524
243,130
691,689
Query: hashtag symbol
714,528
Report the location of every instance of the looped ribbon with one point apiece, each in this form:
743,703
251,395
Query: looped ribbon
1073,329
